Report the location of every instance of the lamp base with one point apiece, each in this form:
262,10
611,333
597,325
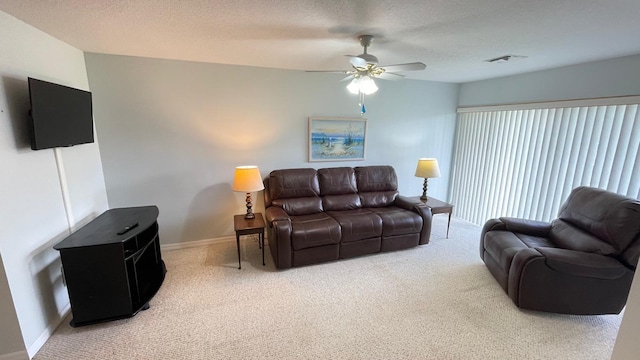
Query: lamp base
249,215
424,190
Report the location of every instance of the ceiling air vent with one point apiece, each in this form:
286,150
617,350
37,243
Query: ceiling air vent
506,58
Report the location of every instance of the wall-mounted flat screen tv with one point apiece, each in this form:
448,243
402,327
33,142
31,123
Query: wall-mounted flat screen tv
59,116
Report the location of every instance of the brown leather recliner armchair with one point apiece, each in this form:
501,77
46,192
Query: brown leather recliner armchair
583,262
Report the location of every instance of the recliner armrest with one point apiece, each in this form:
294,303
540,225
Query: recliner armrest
407,203
421,209
577,263
273,213
528,227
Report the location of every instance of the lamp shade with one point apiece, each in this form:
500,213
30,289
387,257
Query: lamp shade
427,168
247,179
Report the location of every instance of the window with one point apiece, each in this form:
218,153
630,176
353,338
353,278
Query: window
524,160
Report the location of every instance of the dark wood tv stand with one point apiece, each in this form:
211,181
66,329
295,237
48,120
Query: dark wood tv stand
113,266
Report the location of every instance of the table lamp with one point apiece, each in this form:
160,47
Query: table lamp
427,168
247,179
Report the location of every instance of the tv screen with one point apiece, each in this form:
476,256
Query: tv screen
60,115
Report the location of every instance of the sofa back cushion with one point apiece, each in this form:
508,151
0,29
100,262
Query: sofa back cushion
341,202
567,236
293,183
378,198
300,206
376,178
610,217
377,185
337,181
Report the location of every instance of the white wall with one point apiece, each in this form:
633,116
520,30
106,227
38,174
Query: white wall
172,132
32,211
615,77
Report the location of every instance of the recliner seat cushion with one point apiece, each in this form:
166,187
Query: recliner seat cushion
357,224
314,230
397,221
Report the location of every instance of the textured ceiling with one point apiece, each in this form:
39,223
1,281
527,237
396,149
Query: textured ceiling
453,37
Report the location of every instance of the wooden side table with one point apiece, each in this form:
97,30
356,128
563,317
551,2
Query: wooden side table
244,226
438,207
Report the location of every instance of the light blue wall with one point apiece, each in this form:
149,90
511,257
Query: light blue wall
172,132
614,77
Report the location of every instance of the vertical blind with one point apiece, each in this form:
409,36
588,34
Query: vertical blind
525,162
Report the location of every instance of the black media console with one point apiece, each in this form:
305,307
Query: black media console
112,266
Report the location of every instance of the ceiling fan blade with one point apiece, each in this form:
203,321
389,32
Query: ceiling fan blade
390,76
405,67
357,61
347,78
331,71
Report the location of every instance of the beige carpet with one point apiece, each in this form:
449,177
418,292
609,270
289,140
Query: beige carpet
436,301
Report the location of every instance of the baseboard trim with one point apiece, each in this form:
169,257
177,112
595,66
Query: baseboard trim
46,334
18,355
204,242
197,243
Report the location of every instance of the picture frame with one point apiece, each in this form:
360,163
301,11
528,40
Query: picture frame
337,138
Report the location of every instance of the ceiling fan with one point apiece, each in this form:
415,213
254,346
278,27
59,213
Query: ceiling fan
366,69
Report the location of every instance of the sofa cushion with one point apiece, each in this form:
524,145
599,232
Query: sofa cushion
535,241
341,202
376,178
378,198
609,216
300,206
398,221
357,224
293,183
570,237
337,181
314,230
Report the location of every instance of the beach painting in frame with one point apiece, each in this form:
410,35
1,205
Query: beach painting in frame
337,139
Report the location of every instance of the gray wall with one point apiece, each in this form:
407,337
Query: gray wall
615,77
11,339
32,213
172,132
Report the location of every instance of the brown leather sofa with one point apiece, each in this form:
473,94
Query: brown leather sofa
327,214
583,262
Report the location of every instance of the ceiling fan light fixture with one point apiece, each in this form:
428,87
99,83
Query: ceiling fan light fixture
362,85
354,86
367,85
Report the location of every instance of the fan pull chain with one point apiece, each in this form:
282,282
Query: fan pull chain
361,104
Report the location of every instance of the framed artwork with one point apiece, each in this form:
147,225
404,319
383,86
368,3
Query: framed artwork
337,139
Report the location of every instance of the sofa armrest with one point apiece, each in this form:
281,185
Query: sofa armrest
536,263
273,213
578,263
421,209
279,225
407,203
528,227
